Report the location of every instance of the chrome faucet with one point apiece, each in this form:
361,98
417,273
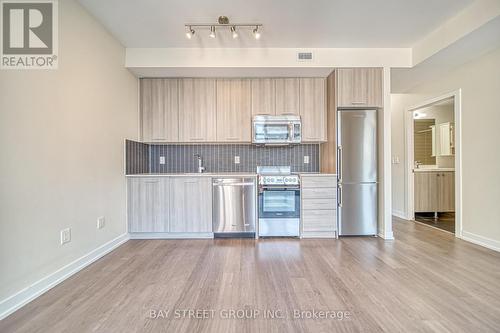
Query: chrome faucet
201,168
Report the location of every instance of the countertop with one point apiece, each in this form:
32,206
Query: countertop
433,169
215,174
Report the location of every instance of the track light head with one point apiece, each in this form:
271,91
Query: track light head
234,32
190,33
256,32
212,32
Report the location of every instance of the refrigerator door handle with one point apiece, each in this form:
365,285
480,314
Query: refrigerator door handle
340,196
339,158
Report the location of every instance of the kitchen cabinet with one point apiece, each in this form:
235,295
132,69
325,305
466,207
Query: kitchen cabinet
159,110
234,107
263,96
197,110
191,204
434,191
319,206
313,109
287,96
148,204
359,87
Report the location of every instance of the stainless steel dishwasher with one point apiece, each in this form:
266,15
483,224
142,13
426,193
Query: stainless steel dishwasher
234,207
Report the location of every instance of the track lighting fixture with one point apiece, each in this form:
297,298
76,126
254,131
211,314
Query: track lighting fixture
223,23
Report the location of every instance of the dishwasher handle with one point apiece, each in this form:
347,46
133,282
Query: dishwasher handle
233,184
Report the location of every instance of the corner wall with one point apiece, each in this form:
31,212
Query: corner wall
479,81
62,157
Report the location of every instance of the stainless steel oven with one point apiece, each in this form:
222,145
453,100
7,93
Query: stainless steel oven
279,206
276,130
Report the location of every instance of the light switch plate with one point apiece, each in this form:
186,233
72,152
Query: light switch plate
101,222
65,236
236,160
306,159
162,159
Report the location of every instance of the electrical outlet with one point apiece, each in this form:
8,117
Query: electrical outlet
65,236
101,222
236,160
162,159
306,159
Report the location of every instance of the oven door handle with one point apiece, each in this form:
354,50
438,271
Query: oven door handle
280,188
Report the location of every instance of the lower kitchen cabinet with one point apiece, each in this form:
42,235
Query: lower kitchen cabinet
166,206
148,204
434,191
191,204
319,206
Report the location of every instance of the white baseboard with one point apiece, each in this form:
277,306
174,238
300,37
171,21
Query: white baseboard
399,214
480,240
171,235
387,236
26,295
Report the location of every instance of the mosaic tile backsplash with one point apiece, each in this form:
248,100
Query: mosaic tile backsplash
217,157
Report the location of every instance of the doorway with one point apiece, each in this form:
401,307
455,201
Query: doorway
433,170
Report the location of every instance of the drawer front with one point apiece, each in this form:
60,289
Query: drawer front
319,193
319,204
325,221
323,181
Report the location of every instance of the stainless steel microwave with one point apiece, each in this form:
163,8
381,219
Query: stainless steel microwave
276,130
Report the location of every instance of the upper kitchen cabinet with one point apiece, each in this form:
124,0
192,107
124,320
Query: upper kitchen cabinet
234,116
359,87
287,96
197,110
159,110
263,97
313,109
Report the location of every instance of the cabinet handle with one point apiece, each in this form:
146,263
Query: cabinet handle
358,102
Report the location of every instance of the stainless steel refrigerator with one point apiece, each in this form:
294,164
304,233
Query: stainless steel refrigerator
357,172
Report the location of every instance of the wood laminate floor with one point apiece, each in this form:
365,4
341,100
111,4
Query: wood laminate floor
445,221
424,281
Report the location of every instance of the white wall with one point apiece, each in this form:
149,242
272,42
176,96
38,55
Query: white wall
61,148
480,84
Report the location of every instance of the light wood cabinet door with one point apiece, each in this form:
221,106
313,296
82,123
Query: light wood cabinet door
191,204
234,118
313,109
426,192
263,97
360,87
446,189
318,206
287,96
197,110
159,110
148,204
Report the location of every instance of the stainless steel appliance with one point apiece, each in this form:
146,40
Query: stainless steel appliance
357,172
276,130
279,202
234,207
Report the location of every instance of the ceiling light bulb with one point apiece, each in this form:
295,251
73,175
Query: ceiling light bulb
256,32
190,33
212,32
233,30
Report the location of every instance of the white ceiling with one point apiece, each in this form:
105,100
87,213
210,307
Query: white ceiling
287,23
